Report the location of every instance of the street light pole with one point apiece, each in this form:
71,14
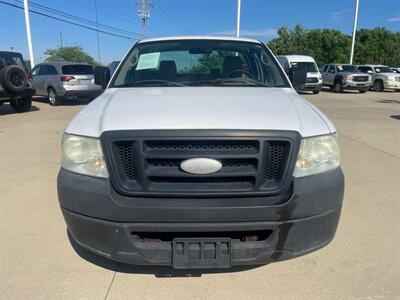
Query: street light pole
354,33
61,40
28,33
97,31
238,19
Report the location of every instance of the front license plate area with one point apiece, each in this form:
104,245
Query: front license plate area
201,253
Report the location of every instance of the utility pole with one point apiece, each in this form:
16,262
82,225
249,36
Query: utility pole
61,40
238,19
97,31
354,33
28,33
144,13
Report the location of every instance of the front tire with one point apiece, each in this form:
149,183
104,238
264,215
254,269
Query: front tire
362,91
338,87
21,104
316,92
54,100
378,86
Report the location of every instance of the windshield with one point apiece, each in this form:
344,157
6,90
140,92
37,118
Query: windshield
77,70
347,68
383,69
306,66
199,63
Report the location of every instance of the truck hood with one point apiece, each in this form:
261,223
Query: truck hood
353,73
200,108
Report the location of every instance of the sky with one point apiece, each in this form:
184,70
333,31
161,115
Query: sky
260,19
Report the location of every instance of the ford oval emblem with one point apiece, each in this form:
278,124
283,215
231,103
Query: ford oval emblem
201,166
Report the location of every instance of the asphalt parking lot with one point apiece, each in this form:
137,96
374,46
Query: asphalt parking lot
363,262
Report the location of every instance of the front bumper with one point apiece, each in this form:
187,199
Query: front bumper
311,87
357,85
395,85
111,225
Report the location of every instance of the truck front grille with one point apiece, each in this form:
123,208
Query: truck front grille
360,78
312,80
150,165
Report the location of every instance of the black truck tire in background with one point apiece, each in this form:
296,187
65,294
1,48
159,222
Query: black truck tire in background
338,87
378,86
13,79
21,104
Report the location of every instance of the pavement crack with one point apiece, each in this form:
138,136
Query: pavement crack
368,145
112,281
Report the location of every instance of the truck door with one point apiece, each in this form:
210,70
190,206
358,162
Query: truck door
330,75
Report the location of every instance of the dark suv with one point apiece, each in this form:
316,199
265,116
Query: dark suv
14,84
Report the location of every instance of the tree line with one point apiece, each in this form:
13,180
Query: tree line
373,46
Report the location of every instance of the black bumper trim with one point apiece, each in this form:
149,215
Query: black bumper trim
105,222
26,92
96,198
289,239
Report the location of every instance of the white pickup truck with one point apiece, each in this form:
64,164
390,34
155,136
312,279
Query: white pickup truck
200,154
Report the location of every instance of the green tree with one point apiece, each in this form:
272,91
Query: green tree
326,46
74,53
378,45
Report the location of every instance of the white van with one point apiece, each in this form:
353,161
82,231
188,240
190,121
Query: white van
314,77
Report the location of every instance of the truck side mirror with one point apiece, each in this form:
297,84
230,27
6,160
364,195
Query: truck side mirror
102,76
298,77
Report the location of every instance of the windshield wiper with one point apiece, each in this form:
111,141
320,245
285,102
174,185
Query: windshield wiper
155,82
220,81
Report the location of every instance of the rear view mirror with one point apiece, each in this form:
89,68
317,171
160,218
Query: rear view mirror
102,76
204,51
298,77
370,72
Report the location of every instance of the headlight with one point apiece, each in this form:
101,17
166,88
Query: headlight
349,77
391,78
83,155
317,154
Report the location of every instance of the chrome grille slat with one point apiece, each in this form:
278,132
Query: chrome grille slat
360,78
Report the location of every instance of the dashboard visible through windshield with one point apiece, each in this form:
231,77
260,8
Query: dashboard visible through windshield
199,63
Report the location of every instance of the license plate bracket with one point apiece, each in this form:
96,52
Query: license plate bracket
201,253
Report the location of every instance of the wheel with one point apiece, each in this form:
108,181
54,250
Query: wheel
315,92
13,79
378,86
362,91
338,87
21,104
54,100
